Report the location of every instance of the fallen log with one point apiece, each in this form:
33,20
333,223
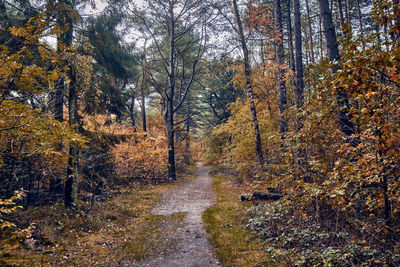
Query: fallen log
261,196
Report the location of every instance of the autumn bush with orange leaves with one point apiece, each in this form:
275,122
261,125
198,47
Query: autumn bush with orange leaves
143,156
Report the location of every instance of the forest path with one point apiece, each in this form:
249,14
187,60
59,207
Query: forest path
192,197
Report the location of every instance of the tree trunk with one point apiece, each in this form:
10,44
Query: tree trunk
170,97
142,93
132,113
70,188
169,121
58,98
299,57
321,47
65,39
310,31
281,72
348,18
306,49
301,157
361,24
250,94
143,108
329,31
346,125
291,54
395,34
340,11
262,55
186,157
72,171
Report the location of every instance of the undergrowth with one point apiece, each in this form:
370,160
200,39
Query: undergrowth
307,239
225,223
267,233
118,231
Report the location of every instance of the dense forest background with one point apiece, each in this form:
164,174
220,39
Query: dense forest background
296,98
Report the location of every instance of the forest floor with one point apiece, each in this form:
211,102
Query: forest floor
192,198
142,225
169,224
225,222
122,231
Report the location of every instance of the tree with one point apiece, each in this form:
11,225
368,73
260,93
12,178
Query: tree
28,134
219,91
340,11
346,125
292,62
299,57
247,72
143,84
114,66
310,31
64,22
281,71
67,16
299,78
180,18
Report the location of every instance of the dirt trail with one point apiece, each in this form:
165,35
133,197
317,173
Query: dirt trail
193,197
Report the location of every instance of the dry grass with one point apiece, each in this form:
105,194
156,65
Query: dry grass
235,245
114,232
147,240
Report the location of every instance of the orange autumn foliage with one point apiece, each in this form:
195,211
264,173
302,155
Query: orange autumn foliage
143,155
353,177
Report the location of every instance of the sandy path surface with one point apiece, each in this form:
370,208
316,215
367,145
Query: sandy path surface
193,197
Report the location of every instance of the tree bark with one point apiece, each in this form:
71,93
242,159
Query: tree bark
301,153
142,93
281,72
64,19
186,156
132,113
250,94
299,57
346,125
340,11
143,109
73,162
348,18
65,39
310,31
169,122
321,47
169,118
290,33
361,24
